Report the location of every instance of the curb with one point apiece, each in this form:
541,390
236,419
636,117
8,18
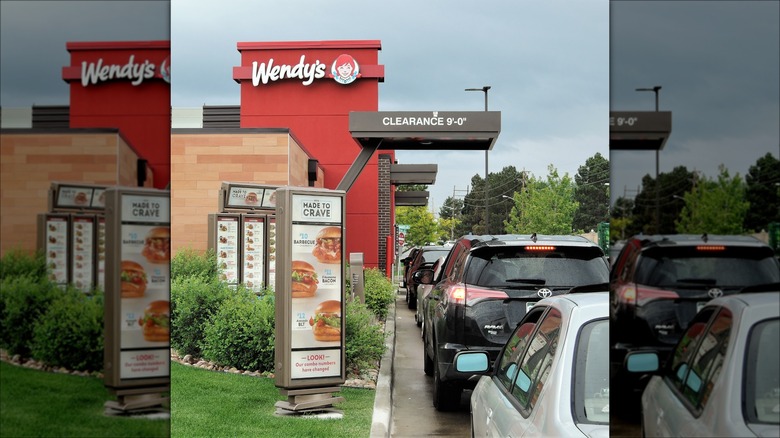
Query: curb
383,400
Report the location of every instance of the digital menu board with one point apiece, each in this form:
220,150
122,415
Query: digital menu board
138,287
254,247
56,247
83,244
227,247
310,325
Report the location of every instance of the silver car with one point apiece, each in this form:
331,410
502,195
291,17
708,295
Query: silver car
552,376
723,377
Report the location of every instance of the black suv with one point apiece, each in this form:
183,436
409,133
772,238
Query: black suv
487,285
659,282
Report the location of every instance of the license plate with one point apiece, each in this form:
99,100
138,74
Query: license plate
700,305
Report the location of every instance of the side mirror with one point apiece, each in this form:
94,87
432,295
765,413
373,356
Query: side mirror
423,276
642,362
472,362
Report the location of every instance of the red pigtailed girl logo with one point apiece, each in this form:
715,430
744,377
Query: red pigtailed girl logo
345,69
165,70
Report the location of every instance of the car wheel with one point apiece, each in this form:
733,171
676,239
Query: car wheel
407,295
446,396
412,301
418,318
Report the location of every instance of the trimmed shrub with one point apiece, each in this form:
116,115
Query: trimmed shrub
189,263
194,301
379,292
18,263
23,300
241,334
364,338
70,333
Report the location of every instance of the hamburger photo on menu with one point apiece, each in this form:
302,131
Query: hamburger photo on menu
133,279
157,246
251,198
304,279
156,321
326,322
327,247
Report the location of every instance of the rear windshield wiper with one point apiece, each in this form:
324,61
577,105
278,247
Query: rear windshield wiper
526,280
705,281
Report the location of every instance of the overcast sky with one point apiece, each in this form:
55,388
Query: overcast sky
718,63
553,70
547,66
33,35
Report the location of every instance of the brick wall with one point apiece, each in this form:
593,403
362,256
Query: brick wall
31,160
385,213
201,160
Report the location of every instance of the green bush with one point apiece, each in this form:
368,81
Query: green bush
194,301
379,292
364,338
23,300
70,333
18,263
241,334
189,263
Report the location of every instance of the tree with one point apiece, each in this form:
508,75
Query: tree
672,186
621,219
715,207
504,183
592,193
450,221
762,182
422,227
544,207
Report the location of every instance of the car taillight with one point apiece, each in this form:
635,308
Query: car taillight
476,294
646,294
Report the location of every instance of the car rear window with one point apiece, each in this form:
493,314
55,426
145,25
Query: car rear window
433,255
724,267
508,266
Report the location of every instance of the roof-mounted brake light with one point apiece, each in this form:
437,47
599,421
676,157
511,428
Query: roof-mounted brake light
710,248
539,248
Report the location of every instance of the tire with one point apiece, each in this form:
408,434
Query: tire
418,319
427,361
446,396
412,302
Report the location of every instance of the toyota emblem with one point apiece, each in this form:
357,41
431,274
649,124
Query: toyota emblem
714,292
544,293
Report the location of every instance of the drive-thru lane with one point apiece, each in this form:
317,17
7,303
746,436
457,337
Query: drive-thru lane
413,412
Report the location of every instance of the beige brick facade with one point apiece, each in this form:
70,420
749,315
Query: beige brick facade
201,160
30,160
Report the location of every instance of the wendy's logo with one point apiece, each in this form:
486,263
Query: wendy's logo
165,70
345,69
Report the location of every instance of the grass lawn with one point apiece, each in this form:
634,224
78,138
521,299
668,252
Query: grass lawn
207,403
38,403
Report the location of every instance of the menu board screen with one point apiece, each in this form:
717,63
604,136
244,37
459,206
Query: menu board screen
271,253
254,264
74,196
83,252
316,288
101,252
144,286
227,248
57,248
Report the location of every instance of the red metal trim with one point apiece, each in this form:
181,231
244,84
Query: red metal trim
117,45
287,45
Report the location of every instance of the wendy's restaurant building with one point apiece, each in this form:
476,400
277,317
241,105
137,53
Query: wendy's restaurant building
291,128
114,131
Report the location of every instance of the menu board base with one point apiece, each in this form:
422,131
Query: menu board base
307,401
151,403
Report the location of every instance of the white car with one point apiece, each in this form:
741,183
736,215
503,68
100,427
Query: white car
722,378
552,376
